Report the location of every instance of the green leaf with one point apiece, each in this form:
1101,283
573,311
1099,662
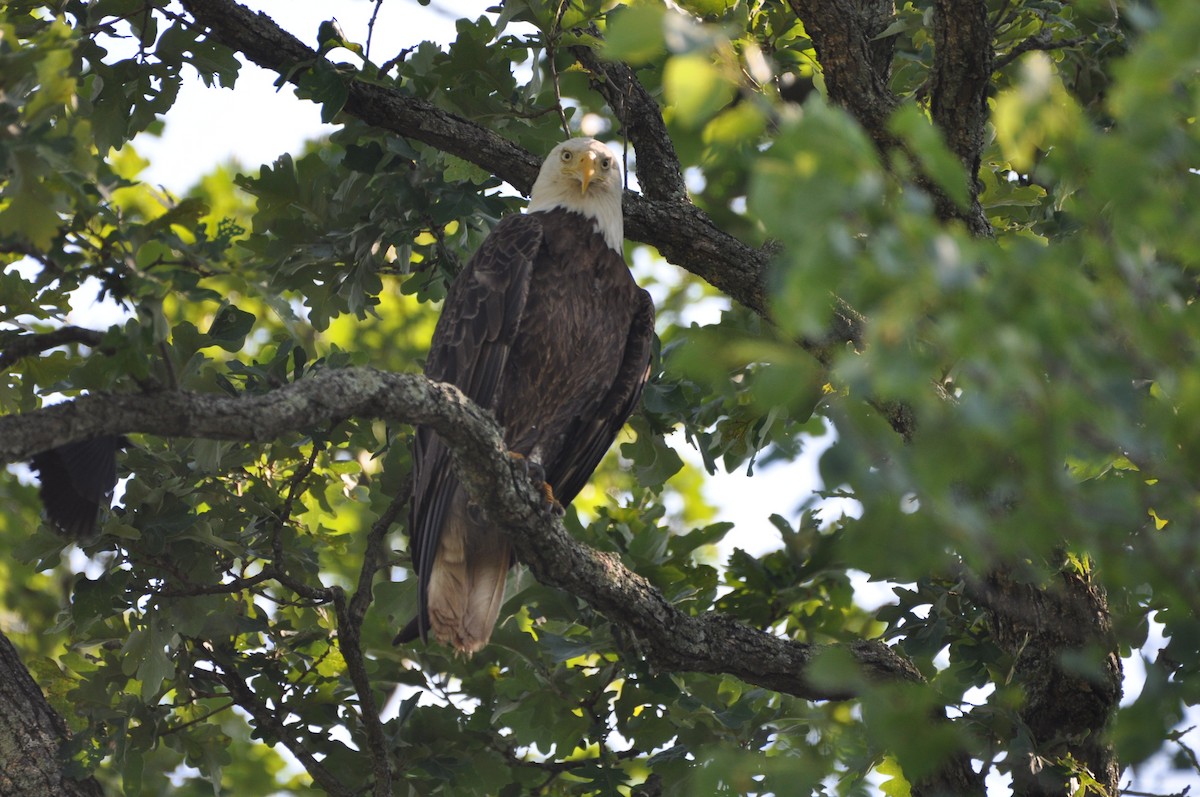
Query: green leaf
684,544
30,215
323,84
654,461
938,162
215,63
154,670
896,785
56,84
695,88
132,768
230,327
635,33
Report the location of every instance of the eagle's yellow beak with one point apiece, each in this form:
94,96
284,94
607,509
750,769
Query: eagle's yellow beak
587,170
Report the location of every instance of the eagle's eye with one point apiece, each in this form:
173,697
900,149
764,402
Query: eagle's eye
605,163
566,155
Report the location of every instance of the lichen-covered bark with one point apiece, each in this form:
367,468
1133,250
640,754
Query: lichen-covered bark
31,734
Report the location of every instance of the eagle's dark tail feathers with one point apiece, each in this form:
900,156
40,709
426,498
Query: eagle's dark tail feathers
409,633
76,478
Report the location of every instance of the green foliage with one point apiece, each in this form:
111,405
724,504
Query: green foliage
1050,371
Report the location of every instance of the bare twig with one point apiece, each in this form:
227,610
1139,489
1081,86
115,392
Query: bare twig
197,720
375,555
1042,41
350,616
551,51
371,29
269,720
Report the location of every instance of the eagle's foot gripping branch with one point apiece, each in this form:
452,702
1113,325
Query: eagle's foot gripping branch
537,474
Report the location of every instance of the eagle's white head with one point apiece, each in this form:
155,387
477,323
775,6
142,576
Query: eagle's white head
583,175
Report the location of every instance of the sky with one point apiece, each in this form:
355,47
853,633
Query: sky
263,123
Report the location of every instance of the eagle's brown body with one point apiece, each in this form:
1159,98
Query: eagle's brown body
547,328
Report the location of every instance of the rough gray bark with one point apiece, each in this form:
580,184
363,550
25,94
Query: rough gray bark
19,346
962,73
856,66
844,37
31,734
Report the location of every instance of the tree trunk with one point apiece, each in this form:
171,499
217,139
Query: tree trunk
31,735
1065,660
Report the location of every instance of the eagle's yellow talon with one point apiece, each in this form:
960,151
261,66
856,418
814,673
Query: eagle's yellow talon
555,507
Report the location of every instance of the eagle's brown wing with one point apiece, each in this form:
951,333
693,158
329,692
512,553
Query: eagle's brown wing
596,425
470,348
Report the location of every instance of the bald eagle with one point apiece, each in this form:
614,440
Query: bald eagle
546,328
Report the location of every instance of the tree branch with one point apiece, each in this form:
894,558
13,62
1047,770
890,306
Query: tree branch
269,720
843,35
853,60
659,173
664,215
1040,41
669,639
682,233
22,346
350,616
1065,705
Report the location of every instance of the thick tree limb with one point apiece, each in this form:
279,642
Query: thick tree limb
844,37
668,638
1066,711
256,36
664,212
1065,657
682,233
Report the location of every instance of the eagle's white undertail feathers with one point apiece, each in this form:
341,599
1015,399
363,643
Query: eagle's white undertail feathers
466,587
